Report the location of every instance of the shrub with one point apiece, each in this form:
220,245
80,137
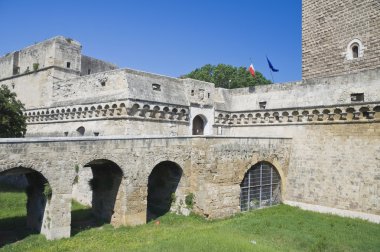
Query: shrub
48,192
189,200
35,66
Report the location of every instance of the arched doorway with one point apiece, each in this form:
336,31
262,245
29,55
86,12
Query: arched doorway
260,187
162,185
198,125
24,196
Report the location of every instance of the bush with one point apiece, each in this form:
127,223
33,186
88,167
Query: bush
35,66
48,192
189,200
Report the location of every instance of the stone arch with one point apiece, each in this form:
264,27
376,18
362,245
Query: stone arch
281,168
163,182
261,186
133,110
39,192
364,112
355,49
107,192
199,124
377,112
155,112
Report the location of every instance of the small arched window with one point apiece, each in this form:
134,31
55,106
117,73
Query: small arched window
81,130
355,50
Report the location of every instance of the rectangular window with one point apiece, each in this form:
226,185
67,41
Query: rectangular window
68,64
156,87
88,71
359,97
262,105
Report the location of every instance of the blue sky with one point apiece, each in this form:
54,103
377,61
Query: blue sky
171,37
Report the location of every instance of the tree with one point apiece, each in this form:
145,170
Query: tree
227,76
12,119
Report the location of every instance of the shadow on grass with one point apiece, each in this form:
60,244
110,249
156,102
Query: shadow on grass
83,219
13,230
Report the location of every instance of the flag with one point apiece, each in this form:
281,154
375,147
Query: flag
252,70
271,66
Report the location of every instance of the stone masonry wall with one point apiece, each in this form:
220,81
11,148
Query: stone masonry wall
313,92
212,169
91,65
328,26
332,165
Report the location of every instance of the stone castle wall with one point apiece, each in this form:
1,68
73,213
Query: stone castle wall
91,65
213,168
329,26
333,165
313,92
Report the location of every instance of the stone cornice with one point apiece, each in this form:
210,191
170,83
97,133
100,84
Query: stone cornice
340,113
133,110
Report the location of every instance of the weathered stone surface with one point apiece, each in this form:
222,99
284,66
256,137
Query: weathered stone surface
213,169
332,117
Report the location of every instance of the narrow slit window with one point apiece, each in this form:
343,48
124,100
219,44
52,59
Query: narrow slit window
156,87
355,51
262,105
89,71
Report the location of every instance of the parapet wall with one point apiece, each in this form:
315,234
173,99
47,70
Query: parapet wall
313,92
57,51
91,65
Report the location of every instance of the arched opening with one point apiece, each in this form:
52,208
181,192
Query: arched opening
104,186
260,187
198,125
24,196
162,185
81,130
355,50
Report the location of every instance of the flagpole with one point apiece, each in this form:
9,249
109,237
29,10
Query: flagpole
270,70
271,74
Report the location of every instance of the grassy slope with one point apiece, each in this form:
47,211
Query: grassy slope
280,228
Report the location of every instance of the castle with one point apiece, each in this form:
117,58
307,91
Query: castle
313,143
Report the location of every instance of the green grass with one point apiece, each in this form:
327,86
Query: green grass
280,228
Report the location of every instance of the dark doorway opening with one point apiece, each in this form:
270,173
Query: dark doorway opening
198,125
162,185
105,185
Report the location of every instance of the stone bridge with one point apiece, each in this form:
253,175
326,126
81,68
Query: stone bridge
131,175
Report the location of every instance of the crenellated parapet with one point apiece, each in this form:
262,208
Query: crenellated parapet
362,112
137,110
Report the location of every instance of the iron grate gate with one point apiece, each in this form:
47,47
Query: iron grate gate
260,187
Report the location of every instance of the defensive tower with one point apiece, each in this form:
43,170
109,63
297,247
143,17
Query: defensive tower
339,37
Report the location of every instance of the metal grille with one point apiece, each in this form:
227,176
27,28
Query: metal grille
260,187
